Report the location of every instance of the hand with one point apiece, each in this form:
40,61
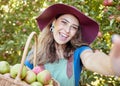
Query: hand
115,54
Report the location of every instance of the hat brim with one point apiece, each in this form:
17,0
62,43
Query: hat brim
89,27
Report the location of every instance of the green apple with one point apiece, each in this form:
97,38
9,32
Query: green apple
14,71
4,67
36,84
48,85
44,77
30,77
51,83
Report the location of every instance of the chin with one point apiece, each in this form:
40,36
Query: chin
61,43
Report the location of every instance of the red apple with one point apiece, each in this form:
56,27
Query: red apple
108,2
37,69
111,17
99,34
44,77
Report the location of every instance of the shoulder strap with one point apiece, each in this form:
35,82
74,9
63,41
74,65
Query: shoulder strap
77,63
27,62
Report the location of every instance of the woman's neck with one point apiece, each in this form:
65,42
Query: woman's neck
60,50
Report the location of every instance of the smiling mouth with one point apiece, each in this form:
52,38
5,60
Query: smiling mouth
63,36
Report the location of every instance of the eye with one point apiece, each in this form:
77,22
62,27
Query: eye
74,27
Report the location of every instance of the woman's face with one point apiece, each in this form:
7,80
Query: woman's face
65,27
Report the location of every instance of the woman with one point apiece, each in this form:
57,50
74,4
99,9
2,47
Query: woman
64,42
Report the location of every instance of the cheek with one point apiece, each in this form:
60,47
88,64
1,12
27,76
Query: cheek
55,31
56,27
73,33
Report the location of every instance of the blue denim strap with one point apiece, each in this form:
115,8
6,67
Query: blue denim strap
27,62
77,63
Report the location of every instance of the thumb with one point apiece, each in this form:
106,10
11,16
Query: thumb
115,46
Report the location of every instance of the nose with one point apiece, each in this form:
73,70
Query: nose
67,29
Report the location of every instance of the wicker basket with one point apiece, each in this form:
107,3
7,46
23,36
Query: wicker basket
6,80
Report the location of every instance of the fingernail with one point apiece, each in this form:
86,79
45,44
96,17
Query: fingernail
115,38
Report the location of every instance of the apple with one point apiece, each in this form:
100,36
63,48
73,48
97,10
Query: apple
112,17
118,18
118,7
108,2
30,77
50,83
99,34
44,77
105,9
14,71
24,30
18,23
3,30
36,84
37,69
4,67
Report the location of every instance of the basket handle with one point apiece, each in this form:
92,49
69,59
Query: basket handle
26,51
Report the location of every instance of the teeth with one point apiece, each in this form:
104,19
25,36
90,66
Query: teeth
64,35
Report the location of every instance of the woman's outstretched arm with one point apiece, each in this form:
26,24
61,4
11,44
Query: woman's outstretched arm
102,63
97,62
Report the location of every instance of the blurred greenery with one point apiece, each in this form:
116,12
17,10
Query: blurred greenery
17,19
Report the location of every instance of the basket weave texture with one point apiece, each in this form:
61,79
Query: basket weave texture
6,80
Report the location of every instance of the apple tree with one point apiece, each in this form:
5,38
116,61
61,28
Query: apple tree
17,21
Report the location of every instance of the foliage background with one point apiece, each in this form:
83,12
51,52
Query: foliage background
17,21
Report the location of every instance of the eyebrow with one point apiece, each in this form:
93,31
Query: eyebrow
69,22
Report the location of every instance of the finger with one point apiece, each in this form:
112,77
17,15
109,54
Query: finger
116,39
115,50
